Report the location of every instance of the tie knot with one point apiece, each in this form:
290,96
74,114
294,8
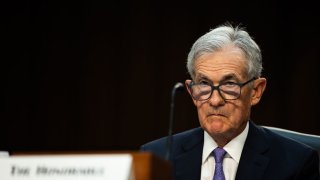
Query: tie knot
218,154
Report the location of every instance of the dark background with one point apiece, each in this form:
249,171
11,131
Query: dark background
98,75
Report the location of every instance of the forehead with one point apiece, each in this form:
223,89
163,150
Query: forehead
228,62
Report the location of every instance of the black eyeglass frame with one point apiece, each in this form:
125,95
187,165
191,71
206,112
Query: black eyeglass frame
218,89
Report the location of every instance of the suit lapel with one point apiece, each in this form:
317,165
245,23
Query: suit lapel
188,164
253,162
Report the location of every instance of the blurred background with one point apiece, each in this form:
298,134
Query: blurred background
98,75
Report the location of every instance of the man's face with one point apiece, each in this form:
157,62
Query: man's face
219,117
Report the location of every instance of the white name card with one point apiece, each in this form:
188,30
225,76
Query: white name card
67,167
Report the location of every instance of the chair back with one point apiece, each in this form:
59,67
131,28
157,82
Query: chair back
308,139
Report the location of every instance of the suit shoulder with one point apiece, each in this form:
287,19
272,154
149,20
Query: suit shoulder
159,146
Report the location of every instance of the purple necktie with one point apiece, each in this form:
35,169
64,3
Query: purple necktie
218,155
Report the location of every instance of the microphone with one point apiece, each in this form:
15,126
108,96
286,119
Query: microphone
178,87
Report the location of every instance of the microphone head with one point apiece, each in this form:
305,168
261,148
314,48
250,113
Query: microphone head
178,86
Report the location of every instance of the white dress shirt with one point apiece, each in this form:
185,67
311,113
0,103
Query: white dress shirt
231,159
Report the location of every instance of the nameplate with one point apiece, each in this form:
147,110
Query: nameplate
67,167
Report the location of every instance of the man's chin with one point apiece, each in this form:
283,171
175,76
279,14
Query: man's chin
216,128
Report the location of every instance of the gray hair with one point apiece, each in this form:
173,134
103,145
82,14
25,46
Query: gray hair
222,36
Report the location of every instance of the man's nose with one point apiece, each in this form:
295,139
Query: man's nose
216,99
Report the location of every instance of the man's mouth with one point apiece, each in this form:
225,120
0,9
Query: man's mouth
214,114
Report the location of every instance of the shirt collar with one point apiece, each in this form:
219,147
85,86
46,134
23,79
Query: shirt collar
233,148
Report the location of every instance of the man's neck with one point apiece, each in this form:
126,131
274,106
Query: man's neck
223,139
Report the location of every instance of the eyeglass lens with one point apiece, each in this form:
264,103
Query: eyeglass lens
204,91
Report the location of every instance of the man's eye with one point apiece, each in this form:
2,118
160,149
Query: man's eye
203,82
230,84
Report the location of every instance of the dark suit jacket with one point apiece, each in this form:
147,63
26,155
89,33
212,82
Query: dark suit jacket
265,155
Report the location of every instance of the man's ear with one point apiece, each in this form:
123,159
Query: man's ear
187,82
258,88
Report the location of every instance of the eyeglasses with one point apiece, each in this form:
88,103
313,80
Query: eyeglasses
228,90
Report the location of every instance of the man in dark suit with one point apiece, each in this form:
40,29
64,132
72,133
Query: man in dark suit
225,65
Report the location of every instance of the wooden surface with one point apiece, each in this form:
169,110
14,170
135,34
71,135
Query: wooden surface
148,166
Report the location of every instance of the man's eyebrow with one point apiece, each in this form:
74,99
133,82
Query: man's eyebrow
202,77
231,76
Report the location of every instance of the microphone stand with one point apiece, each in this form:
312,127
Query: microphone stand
177,87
